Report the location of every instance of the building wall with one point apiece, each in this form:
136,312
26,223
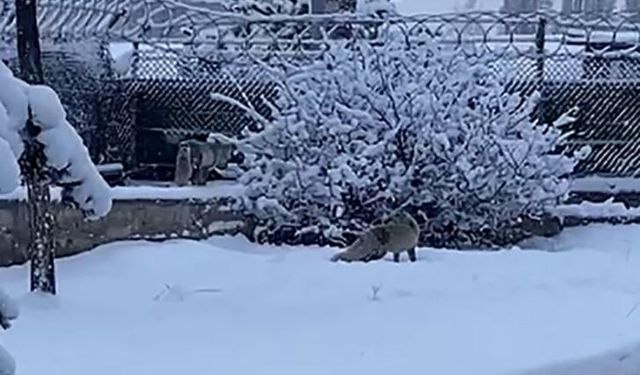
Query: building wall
589,6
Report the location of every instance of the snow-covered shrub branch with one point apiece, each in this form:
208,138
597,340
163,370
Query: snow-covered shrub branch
268,8
369,128
68,163
259,10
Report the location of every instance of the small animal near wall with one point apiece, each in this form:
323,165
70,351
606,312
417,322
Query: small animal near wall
396,234
197,159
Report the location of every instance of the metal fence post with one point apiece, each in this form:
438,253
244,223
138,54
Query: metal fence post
135,59
540,57
133,104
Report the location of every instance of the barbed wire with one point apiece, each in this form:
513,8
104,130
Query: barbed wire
171,23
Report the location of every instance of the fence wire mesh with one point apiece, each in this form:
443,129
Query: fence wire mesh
76,71
180,54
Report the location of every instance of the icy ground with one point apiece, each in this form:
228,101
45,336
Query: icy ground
225,306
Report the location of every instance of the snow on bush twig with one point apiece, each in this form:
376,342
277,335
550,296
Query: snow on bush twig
371,127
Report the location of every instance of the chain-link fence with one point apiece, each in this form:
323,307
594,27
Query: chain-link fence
177,55
76,71
169,96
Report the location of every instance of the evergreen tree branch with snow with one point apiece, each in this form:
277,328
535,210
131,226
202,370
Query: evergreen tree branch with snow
370,128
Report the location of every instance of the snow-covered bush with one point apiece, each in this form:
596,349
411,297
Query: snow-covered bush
376,8
370,128
67,159
8,311
268,8
256,10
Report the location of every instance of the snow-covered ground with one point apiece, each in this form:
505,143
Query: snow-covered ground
227,306
149,190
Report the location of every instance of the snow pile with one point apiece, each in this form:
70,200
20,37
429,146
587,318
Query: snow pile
216,189
371,128
123,62
13,115
7,363
9,168
231,307
68,160
8,311
601,184
621,361
601,210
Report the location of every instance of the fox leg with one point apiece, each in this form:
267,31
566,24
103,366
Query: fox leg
396,257
201,176
412,254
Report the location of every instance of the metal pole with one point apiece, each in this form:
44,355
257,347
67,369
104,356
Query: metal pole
540,55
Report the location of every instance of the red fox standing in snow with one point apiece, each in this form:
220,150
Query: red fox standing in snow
397,234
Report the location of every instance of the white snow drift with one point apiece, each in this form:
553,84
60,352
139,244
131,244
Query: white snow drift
230,307
8,311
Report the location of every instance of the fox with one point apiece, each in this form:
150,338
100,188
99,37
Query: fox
398,234
184,169
215,153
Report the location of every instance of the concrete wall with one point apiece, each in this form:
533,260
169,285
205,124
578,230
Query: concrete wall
128,219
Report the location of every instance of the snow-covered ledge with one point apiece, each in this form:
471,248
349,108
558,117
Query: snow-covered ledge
151,213
608,211
149,192
604,184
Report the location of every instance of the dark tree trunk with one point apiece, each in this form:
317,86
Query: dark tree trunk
32,163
